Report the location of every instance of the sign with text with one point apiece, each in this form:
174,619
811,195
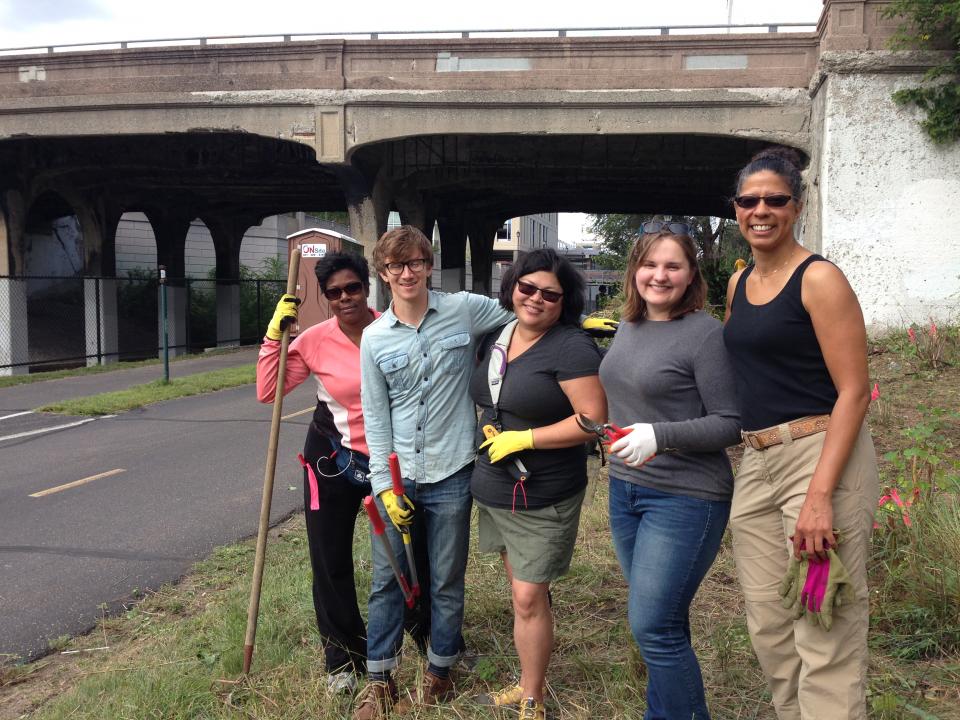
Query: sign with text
313,250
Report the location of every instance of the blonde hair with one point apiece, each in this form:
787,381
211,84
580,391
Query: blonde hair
695,296
403,243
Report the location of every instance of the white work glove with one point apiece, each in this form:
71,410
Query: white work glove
637,446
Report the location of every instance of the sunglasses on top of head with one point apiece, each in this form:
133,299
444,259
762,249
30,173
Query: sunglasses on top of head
351,288
550,296
652,227
748,202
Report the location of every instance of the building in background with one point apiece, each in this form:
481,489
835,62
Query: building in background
602,283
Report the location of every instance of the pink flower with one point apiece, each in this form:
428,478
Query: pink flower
912,335
875,393
933,329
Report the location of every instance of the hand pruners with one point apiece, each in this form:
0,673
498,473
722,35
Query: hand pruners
607,432
490,432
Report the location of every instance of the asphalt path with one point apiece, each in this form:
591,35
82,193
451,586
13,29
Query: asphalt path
152,491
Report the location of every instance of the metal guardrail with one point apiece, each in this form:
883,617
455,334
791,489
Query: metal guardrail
406,34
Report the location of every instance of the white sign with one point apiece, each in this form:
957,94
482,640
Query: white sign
313,250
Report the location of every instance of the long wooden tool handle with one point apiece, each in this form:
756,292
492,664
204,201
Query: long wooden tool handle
253,608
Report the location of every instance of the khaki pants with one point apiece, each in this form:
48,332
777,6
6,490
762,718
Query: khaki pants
812,674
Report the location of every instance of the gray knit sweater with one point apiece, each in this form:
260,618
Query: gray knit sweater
675,375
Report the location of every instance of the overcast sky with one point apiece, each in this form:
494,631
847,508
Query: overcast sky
62,22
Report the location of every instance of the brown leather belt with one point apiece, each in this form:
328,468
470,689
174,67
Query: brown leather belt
786,433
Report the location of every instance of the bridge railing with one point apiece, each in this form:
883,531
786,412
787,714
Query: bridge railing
418,34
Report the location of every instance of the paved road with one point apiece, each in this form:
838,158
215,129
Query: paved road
176,479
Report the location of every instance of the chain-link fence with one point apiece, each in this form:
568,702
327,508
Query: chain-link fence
52,322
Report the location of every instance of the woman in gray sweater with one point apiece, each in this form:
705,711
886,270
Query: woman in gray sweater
669,382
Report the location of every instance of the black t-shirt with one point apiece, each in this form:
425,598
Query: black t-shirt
531,397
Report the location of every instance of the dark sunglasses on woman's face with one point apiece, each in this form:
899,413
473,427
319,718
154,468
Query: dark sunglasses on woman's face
550,296
748,202
351,288
652,227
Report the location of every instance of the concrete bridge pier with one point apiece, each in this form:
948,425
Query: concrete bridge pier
170,231
481,231
453,250
417,211
368,206
14,346
98,225
227,231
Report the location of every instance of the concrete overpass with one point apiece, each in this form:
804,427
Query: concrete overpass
468,131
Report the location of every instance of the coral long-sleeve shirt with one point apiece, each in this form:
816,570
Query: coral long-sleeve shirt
326,352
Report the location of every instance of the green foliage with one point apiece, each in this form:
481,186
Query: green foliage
926,465
719,244
932,25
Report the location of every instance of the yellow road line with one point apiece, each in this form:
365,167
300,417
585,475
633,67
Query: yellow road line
298,412
75,483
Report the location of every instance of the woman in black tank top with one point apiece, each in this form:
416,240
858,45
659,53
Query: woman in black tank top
795,333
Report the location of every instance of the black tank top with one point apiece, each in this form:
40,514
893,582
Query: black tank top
779,368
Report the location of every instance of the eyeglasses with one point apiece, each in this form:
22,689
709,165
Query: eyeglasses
748,202
351,288
416,265
550,296
651,227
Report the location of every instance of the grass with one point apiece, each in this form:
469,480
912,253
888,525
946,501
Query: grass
11,380
156,391
176,653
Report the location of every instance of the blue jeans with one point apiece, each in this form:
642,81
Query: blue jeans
665,544
443,513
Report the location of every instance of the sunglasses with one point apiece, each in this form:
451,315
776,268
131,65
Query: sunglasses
550,296
652,227
351,288
416,265
748,202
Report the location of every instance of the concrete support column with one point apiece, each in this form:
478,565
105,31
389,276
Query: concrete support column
170,231
98,225
453,251
14,330
14,346
368,205
481,232
12,218
417,211
227,232
100,320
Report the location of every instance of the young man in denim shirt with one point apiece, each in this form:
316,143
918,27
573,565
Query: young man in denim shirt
416,361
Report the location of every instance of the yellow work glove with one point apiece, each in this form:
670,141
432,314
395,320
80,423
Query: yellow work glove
600,326
508,443
399,516
839,590
283,315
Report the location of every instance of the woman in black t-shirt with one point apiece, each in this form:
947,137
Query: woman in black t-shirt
532,379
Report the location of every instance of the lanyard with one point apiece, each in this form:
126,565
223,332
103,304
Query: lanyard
497,367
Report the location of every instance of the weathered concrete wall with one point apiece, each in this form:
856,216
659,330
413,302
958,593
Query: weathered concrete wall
889,199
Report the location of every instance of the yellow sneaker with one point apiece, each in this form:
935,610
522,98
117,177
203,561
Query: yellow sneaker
511,695
530,709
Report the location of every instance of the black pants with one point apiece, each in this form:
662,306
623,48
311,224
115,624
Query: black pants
330,539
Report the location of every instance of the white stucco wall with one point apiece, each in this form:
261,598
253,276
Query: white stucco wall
889,203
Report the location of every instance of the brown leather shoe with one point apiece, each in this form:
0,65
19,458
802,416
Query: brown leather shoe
375,700
433,691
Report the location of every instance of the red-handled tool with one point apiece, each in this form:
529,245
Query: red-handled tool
404,532
376,522
607,432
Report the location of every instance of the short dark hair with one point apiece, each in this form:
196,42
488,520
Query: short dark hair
547,260
337,261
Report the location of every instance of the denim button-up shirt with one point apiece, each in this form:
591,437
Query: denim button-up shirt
414,386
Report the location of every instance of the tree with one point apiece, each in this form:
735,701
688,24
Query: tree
932,25
718,240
